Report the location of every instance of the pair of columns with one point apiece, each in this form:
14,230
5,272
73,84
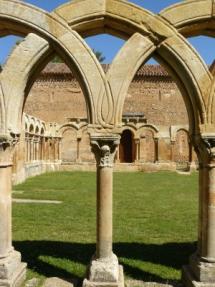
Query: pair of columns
104,268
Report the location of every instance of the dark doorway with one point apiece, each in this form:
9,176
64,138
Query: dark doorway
126,151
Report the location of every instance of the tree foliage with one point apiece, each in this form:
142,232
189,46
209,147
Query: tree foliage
98,54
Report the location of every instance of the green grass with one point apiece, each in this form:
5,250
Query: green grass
155,224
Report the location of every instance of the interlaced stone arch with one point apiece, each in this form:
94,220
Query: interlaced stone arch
68,43
194,18
101,17
105,95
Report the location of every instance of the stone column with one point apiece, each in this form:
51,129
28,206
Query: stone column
26,147
172,143
48,149
32,149
137,150
117,155
201,270
59,148
156,139
104,268
12,271
37,148
29,148
78,159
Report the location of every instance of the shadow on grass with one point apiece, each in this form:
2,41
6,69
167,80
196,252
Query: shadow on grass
172,255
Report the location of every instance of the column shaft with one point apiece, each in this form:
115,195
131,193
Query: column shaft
104,212
5,211
211,214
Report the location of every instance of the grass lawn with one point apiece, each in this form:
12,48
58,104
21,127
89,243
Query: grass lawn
155,223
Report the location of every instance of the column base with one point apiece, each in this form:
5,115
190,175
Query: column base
105,272
12,270
199,273
119,283
189,280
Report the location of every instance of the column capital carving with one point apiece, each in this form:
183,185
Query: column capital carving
7,147
8,141
137,140
104,148
209,143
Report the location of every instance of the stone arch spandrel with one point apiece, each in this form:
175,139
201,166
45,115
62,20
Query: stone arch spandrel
69,45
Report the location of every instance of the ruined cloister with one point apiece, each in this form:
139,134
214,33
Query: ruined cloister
62,31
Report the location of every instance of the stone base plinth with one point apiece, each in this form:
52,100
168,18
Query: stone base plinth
105,272
12,270
189,280
202,270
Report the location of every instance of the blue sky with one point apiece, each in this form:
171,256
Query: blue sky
110,45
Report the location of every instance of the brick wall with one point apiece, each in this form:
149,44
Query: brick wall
54,98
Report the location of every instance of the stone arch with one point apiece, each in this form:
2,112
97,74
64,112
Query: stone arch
127,146
151,127
193,76
37,130
182,147
148,134
31,128
68,43
193,18
42,131
69,144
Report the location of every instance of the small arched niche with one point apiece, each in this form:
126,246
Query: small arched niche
127,147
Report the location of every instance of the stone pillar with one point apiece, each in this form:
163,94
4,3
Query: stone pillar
48,149
12,271
32,149
137,150
37,149
26,147
201,270
78,158
29,148
104,268
117,155
156,139
59,148
172,143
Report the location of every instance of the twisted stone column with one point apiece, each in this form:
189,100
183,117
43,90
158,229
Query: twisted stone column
12,271
104,268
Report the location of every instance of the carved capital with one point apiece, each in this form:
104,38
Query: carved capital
7,141
7,144
209,143
104,148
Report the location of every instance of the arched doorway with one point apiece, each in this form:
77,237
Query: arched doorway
126,148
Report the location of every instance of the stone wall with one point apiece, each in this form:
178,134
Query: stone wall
154,115
56,96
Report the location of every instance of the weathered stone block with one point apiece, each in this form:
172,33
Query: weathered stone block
118,283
